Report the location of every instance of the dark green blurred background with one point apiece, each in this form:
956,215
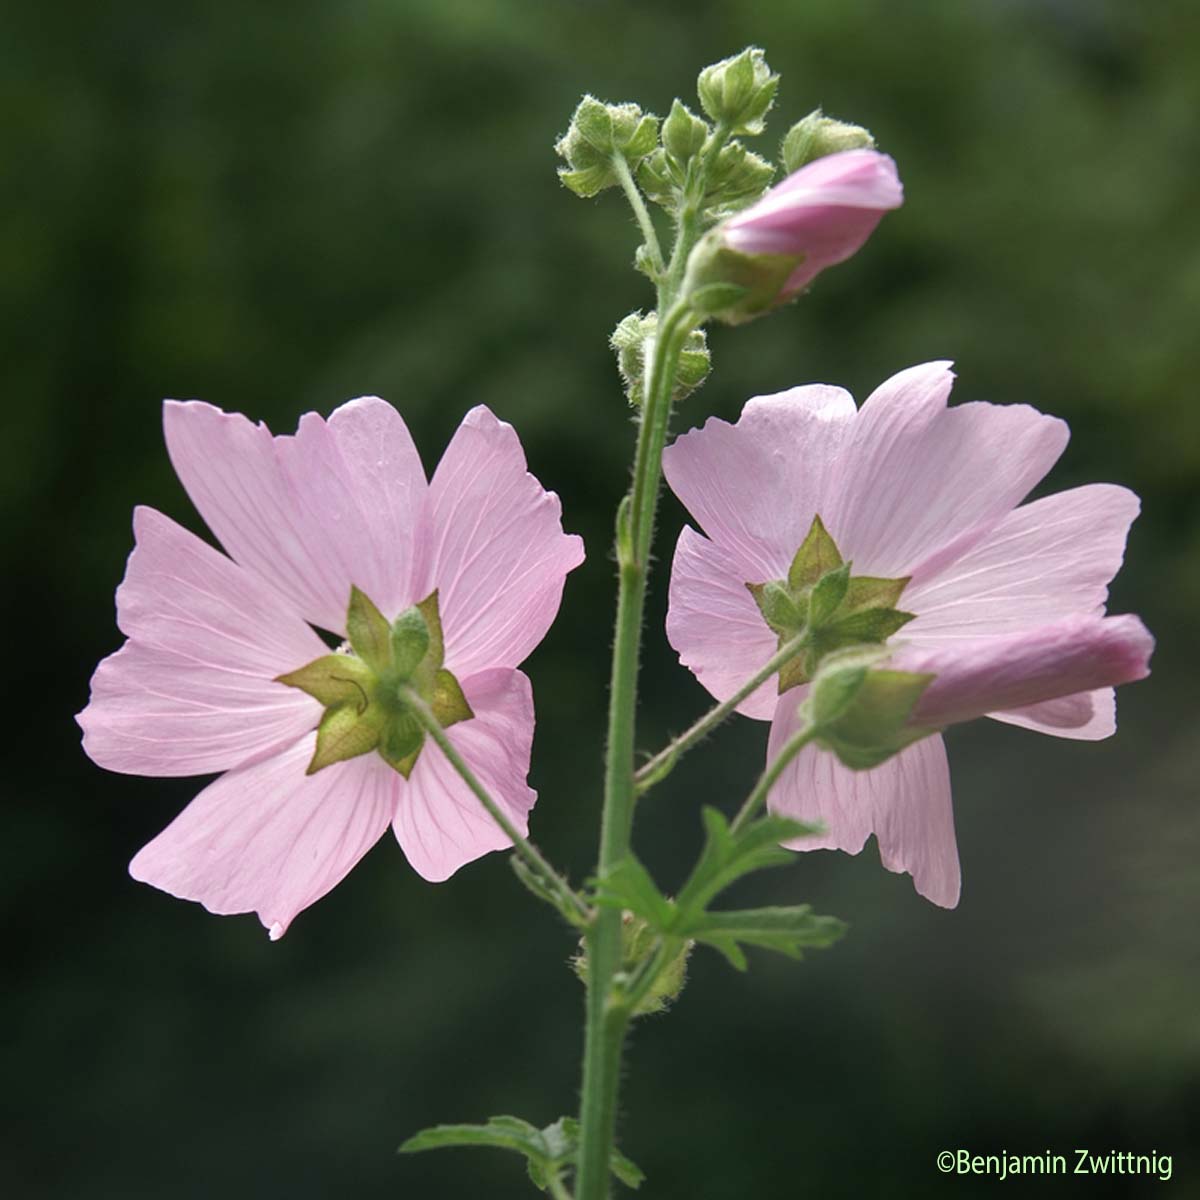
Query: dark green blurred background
278,207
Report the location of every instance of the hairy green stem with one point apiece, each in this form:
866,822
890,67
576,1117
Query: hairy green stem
607,1021
640,211
537,863
766,781
664,761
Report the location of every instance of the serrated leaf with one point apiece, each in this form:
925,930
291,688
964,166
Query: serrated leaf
628,886
503,1133
547,1151
818,555
369,632
345,733
786,930
333,679
727,856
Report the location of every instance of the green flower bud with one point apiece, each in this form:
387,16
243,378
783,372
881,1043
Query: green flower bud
598,133
629,342
683,133
638,940
818,135
738,91
861,711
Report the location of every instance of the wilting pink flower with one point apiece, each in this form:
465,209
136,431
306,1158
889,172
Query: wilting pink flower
1007,600
342,503
824,211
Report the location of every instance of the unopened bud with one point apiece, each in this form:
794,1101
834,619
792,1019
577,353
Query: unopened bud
817,136
598,133
632,341
738,91
767,253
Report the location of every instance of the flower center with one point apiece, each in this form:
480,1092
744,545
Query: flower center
824,605
366,686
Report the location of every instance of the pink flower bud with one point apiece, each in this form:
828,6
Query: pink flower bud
825,211
1066,658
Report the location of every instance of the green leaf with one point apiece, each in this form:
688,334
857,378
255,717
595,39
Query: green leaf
785,930
334,679
504,1133
727,856
548,1152
817,556
410,641
628,886
827,594
345,733
369,632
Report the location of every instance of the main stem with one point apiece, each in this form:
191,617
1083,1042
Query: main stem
607,1021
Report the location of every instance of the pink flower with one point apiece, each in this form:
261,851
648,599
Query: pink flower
825,211
923,498
194,690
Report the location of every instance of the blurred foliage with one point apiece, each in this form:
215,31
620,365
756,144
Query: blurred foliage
278,208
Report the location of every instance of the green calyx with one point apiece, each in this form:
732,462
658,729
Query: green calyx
600,133
364,689
861,709
826,606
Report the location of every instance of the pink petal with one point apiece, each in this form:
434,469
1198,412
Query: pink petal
192,691
1045,560
269,839
755,486
905,802
496,550
1085,716
335,505
921,483
440,823
1077,654
715,626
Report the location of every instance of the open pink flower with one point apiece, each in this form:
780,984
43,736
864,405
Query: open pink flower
825,211
923,500
343,503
